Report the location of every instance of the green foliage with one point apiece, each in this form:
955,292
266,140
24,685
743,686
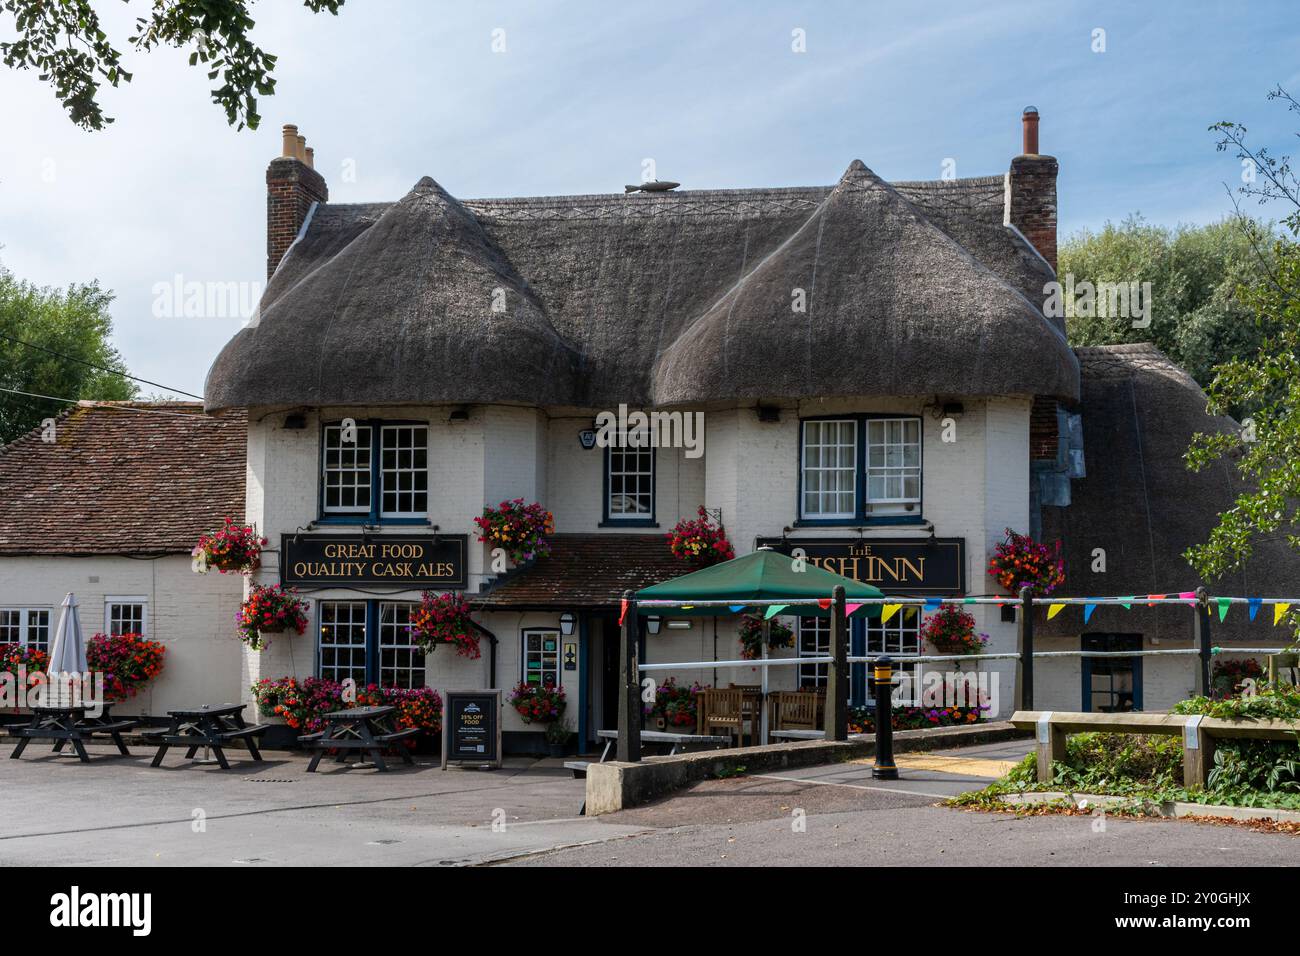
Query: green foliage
1194,271
75,323
65,42
1119,763
1277,701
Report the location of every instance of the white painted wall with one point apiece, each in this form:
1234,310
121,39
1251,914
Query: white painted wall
193,615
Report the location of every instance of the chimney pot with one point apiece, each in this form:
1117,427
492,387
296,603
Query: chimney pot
301,152
311,158
1029,120
290,145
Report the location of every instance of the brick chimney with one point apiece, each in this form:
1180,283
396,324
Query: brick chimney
292,185
1031,192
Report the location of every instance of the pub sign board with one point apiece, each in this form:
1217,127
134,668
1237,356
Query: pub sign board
400,560
905,566
471,727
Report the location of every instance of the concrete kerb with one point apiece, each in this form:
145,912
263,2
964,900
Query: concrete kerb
613,786
1171,809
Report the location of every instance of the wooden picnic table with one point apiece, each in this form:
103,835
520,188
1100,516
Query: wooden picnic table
363,730
676,741
70,725
210,727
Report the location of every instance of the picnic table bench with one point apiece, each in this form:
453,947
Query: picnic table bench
362,730
212,728
70,725
1199,734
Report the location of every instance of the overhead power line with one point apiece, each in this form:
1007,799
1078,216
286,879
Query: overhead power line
101,368
116,406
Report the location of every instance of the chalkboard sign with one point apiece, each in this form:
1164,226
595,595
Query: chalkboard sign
471,727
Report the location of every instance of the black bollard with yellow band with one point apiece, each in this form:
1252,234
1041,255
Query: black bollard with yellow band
884,677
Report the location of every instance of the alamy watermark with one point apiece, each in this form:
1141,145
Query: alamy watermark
1103,300
638,429
191,299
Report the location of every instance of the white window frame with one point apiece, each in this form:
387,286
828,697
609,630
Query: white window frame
418,665
902,472
379,482
900,635
610,513
350,646
542,632
855,429
813,675
112,600
325,470
25,623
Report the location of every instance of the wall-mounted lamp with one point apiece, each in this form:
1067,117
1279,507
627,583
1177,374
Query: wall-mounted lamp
953,409
295,421
459,414
769,413
567,620
679,625
652,623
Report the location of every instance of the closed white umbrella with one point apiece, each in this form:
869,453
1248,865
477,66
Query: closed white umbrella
68,650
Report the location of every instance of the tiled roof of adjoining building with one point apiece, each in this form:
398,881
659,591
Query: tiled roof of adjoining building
122,478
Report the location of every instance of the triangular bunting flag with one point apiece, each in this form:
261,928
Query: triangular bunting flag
1126,603
736,608
1087,611
932,604
622,611
1187,595
909,612
850,608
688,607
1156,597
824,603
888,611
1054,610
1279,612
1254,604
1224,604
967,600
774,610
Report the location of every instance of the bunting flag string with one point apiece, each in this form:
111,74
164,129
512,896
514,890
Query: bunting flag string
1224,604
1187,595
1087,611
1254,607
888,611
622,614
1127,603
824,603
774,610
1054,610
1279,612
850,608
736,608
932,604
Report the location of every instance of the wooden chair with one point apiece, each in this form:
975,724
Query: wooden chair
723,710
798,710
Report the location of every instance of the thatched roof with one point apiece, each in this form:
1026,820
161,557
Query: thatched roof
657,299
1144,508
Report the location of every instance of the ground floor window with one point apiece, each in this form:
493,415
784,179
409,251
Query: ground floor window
900,635
126,615
1112,684
814,641
368,642
27,626
541,657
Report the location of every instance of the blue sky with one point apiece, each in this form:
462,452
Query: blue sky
584,92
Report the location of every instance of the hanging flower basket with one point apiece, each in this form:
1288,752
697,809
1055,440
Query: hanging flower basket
444,619
270,610
751,636
127,661
233,549
950,630
1020,562
675,707
537,704
700,542
518,528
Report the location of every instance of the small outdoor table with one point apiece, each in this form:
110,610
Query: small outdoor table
363,730
211,727
677,741
70,725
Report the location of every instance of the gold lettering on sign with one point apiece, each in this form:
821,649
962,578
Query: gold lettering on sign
872,568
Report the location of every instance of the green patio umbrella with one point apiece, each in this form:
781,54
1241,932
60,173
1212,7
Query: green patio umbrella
762,575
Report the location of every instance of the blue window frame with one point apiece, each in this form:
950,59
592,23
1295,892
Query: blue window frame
629,487
860,469
367,641
379,476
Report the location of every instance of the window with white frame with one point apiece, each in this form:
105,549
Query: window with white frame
343,640
27,626
404,470
839,484
345,470
401,663
830,469
901,634
893,465
814,641
541,653
126,615
630,483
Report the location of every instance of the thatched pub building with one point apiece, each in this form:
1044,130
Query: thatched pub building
878,381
